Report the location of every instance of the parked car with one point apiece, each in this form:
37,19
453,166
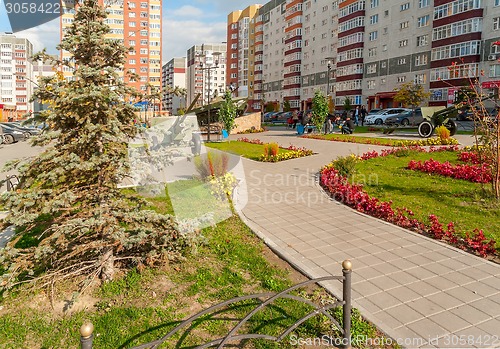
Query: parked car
405,118
11,135
382,115
28,131
373,111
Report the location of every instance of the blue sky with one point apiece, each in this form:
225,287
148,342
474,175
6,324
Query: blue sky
184,24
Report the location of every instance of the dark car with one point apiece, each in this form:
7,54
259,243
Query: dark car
405,118
28,131
11,135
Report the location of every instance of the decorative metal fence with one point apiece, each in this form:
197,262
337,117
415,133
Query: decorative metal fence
265,299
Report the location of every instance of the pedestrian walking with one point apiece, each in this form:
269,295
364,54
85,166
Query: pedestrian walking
295,118
347,127
356,115
363,113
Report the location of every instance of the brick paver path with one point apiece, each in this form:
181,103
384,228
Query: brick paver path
419,291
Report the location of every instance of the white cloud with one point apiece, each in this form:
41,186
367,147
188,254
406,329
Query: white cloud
43,36
186,11
180,35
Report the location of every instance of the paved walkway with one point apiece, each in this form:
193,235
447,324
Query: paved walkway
419,291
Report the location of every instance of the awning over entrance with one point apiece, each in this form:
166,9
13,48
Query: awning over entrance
491,84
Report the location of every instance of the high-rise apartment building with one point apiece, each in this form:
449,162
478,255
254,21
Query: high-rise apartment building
273,51
174,76
206,72
16,76
137,24
244,40
373,46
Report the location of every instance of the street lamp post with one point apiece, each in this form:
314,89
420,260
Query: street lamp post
329,68
209,68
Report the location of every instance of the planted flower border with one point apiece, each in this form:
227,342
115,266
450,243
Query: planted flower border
292,153
354,196
436,141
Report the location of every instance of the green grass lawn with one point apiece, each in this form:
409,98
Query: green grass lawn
245,149
144,304
451,200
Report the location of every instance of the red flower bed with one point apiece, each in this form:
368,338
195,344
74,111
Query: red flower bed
354,196
253,141
472,173
469,157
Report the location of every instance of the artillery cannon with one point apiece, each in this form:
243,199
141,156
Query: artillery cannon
438,118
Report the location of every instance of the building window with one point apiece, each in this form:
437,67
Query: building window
384,47
405,6
374,3
371,68
420,78
401,78
374,19
373,35
371,84
423,3
495,69
401,61
496,23
403,43
372,52
422,40
404,25
423,21
421,60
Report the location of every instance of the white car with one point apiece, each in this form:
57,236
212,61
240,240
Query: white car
379,118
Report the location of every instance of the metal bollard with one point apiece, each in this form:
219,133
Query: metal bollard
87,336
347,270
196,143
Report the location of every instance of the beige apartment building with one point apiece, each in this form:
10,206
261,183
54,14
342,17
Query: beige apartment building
174,76
371,47
206,72
137,24
16,77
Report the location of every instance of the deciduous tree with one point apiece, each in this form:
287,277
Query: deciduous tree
319,110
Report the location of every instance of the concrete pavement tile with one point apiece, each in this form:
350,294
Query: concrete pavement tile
321,260
404,294
487,306
470,260
419,259
463,294
387,256
366,288
482,289
453,263
403,252
366,273
458,278
355,253
420,273
384,300
387,268
449,321
491,327
385,283
404,314
425,306
437,268
368,305
387,319
423,288
477,273
427,328
492,281
471,314
369,260
404,264
374,249
441,283
403,277
474,337
492,269
388,245
408,338
324,248
446,300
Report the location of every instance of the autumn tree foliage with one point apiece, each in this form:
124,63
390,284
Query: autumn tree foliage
411,94
319,110
71,215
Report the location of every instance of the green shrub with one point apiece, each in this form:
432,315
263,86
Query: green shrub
346,165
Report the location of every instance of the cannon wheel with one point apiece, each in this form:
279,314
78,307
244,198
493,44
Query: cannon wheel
425,129
452,126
